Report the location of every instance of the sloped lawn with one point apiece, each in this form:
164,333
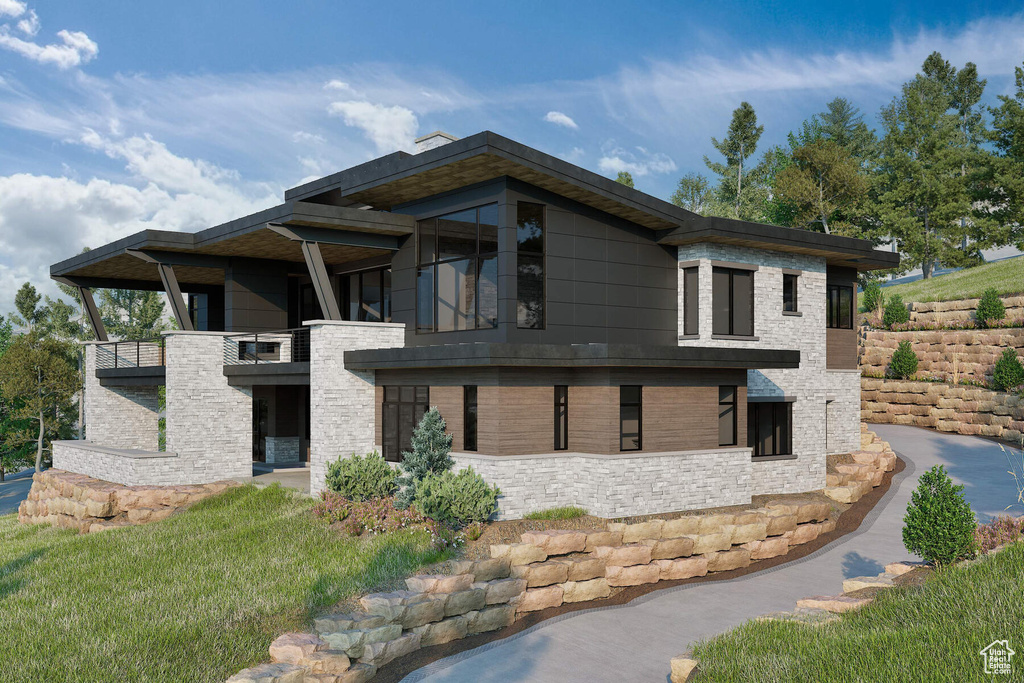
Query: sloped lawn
931,632
194,598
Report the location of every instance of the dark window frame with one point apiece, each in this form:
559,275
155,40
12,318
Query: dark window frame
470,413
834,316
691,301
533,254
395,397
344,294
781,415
733,405
639,405
791,280
732,273
561,418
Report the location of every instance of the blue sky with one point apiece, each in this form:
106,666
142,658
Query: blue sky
120,116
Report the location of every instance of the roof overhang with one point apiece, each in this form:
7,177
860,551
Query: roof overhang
569,356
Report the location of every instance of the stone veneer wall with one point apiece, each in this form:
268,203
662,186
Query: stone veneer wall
811,384
973,353
960,310
119,417
342,401
947,408
282,449
127,467
616,485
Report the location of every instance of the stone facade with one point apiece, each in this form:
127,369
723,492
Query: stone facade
341,401
616,485
128,467
119,417
283,449
942,354
811,385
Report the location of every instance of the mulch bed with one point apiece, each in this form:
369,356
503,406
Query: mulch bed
849,521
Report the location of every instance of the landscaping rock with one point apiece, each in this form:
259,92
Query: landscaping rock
582,591
848,494
557,542
439,583
624,555
542,573
810,617
483,570
685,568
813,512
326,662
836,604
709,543
728,559
332,623
280,672
465,601
710,524
768,548
518,553
535,599
859,582
901,568
684,526
391,606
444,631
633,575
802,534
352,643
586,568
596,539
745,533
778,522
683,669
357,673
634,533
293,647
380,654
429,607
491,619
670,548
501,590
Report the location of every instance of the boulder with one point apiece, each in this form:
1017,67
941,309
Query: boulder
484,570
745,533
768,548
391,606
685,568
633,533
624,555
901,568
859,582
836,604
535,599
670,548
500,591
683,669
585,569
710,524
280,672
358,673
778,522
429,607
582,591
353,642
542,573
294,647
444,631
557,541
802,534
439,583
518,553
326,662
813,512
491,619
729,559
683,526
465,601
332,623
847,494
380,654
709,543
596,539
633,575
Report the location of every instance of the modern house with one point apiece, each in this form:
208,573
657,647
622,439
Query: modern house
586,343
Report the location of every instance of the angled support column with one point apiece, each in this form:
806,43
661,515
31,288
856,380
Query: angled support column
171,288
93,315
321,280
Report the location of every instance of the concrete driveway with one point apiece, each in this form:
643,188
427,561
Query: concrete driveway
13,490
635,642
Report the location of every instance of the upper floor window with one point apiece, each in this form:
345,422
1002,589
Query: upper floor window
727,399
691,305
457,273
732,302
367,295
840,307
530,265
789,293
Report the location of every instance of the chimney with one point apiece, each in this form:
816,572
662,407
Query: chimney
433,141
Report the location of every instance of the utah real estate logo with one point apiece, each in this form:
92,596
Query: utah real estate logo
997,657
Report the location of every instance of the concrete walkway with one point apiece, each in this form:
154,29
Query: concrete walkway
635,642
13,490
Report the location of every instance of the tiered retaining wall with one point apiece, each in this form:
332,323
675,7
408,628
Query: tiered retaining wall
960,310
971,354
948,408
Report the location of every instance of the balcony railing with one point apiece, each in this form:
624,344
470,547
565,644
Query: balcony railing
276,346
136,353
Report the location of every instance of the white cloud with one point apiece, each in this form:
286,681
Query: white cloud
75,48
574,155
302,136
12,8
389,128
560,119
30,24
638,163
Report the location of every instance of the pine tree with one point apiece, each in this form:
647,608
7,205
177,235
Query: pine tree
431,452
132,314
1007,184
625,178
26,301
824,187
843,124
693,193
739,145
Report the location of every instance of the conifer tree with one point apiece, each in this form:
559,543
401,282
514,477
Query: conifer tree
431,452
738,146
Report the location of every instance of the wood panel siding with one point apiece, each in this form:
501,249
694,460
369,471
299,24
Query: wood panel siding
841,345
448,400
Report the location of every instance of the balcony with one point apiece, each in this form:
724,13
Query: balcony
139,362
277,357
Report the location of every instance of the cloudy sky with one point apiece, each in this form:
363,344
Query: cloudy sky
121,116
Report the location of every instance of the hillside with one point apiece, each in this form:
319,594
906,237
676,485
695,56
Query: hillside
1006,276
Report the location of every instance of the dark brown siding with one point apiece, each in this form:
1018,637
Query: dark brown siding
841,345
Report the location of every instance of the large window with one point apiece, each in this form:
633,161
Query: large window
789,293
561,418
630,418
367,295
727,416
840,307
530,265
691,307
402,410
469,413
457,274
732,302
770,428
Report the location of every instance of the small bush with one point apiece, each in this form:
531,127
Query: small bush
474,531
569,512
990,308
903,363
361,478
456,499
1000,531
895,312
939,524
1009,372
380,516
431,454
872,298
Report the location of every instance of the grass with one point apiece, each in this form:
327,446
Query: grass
569,512
194,598
932,632
1007,276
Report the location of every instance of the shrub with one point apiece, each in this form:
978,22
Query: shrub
1009,372
380,516
569,512
361,478
872,298
1000,531
939,524
456,499
431,453
990,308
895,311
903,363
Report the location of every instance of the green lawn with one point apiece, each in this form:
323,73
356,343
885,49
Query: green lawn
1006,276
194,598
930,633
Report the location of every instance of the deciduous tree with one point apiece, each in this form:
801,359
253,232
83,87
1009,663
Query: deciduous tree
131,313
625,178
824,186
1007,195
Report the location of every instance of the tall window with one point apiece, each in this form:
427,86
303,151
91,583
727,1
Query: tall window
789,293
402,410
367,295
561,418
457,274
770,428
691,307
630,418
530,266
840,307
727,416
732,302
469,418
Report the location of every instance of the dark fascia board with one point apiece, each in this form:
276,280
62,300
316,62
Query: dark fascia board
152,376
265,374
568,356
155,239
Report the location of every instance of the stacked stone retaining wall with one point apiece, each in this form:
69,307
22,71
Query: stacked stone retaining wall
942,354
959,310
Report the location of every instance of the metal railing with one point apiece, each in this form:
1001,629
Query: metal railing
275,346
131,353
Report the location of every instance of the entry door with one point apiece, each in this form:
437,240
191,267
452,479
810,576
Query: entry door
402,410
260,410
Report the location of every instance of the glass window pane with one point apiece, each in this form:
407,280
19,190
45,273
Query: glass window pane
487,292
752,426
727,395
426,237
352,297
721,301
743,302
530,227
789,293
391,394
425,299
469,418
846,307
530,291
629,428
455,293
630,394
456,234
727,425
370,308
690,300
386,294
488,228
766,429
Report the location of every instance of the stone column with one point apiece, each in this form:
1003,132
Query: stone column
342,401
209,423
118,417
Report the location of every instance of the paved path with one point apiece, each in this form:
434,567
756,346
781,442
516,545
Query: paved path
635,642
13,490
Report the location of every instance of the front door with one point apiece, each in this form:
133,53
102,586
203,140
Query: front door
260,411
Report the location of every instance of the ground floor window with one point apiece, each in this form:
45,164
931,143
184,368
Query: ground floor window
770,428
402,410
630,418
469,418
561,418
727,416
